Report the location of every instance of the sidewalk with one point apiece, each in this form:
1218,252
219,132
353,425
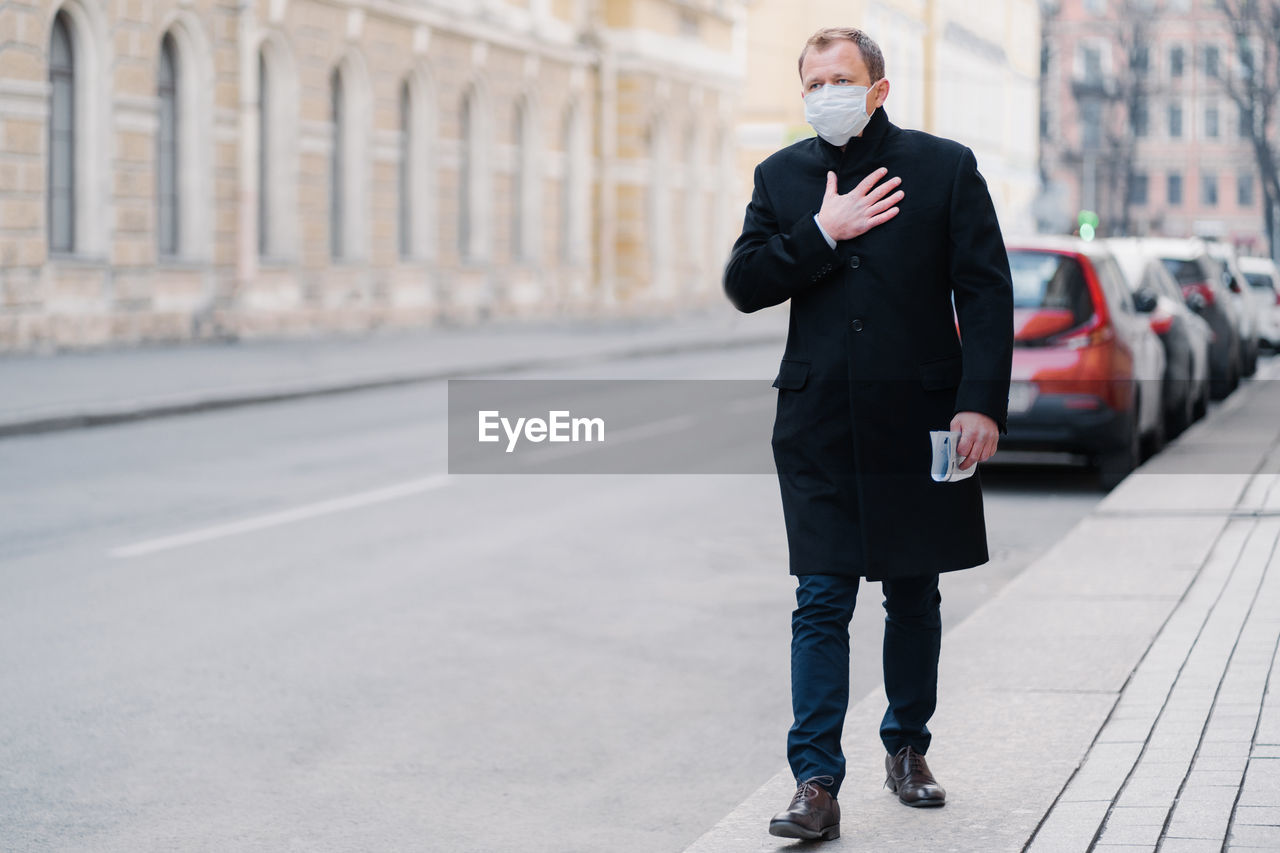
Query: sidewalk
40,393
1116,696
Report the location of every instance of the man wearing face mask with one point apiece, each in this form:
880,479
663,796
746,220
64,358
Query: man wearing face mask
873,233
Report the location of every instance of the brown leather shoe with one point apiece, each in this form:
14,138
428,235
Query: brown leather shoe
813,813
910,779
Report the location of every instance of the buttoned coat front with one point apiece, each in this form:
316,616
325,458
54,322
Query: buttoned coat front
873,361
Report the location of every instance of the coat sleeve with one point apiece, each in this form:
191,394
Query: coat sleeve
769,265
983,291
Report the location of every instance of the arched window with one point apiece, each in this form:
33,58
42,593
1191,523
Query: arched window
265,191
519,142
61,173
278,136
404,182
167,206
573,189
417,184
466,172
694,237
659,213
474,231
337,166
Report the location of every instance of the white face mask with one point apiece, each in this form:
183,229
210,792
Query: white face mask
837,113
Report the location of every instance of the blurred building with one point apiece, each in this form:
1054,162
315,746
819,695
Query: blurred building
194,168
1136,127
966,71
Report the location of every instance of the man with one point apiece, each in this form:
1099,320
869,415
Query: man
872,232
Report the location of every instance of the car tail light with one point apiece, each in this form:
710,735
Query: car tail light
1278,297
1093,334
1200,287
1161,322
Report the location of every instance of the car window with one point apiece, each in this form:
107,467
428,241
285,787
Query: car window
1112,279
1166,284
1184,272
1154,279
1050,280
1259,280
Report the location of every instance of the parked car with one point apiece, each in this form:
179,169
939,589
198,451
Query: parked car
1087,368
1264,283
1185,335
1235,281
1200,277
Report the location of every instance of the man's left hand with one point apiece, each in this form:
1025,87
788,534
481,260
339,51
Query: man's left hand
979,436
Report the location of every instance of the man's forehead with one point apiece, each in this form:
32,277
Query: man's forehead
842,54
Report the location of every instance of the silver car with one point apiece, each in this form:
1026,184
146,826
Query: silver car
1264,284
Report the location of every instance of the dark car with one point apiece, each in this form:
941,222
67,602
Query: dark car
1185,335
1200,277
1087,367
1238,286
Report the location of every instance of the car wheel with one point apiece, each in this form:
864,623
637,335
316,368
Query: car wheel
1202,404
1154,440
1183,413
1222,384
1115,465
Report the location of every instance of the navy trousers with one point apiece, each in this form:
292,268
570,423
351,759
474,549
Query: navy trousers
820,668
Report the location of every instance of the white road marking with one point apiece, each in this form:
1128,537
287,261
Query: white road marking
287,516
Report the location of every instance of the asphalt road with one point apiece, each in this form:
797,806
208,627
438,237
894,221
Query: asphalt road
283,628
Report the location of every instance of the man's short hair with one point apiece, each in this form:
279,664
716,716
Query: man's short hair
870,51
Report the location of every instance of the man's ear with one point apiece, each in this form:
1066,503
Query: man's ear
882,94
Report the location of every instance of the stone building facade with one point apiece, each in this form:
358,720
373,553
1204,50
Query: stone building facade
1180,161
177,169
966,71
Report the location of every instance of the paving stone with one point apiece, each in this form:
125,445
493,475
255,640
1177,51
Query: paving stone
1119,833
1261,783
1258,836
1257,816
1213,778
1231,764
1070,826
1224,749
1129,731
1150,792
1203,812
1138,815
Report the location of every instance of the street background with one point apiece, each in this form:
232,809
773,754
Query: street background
244,603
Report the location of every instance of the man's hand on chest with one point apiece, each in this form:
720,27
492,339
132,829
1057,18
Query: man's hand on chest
843,217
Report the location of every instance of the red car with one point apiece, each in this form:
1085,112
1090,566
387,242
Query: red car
1087,366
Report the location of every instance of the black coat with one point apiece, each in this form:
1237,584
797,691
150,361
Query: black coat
873,361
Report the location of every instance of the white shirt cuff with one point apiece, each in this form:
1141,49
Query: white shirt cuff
825,235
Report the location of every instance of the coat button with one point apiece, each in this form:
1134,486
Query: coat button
857,325
855,262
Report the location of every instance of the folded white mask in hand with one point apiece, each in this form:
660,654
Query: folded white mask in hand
946,459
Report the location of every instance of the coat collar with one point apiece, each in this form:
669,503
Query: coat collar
860,149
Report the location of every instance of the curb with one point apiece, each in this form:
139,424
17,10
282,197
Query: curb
171,407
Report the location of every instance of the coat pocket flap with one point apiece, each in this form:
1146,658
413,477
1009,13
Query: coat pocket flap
792,375
942,373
